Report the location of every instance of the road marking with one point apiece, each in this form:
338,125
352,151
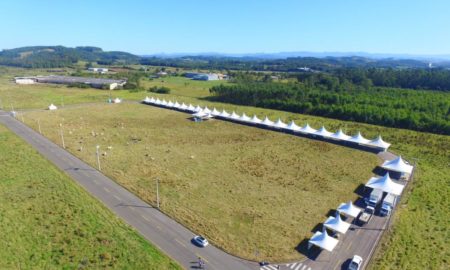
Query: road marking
292,265
349,246
179,242
337,264
95,181
304,267
106,189
159,228
117,197
146,218
298,266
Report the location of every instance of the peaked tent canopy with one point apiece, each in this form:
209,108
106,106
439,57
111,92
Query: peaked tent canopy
337,224
146,100
378,142
323,132
152,100
170,104
397,165
183,106
224,114
267,122
340,135
280,124
307,129
349,209
293,126
255,119
158,101
244,118
191,108
234,115
52,107
358,138
215,112
176,105
164,102
197,109
206,110
323,240
385,184
117,100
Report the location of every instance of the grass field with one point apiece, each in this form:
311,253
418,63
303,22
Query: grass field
246,189
419,236
49,222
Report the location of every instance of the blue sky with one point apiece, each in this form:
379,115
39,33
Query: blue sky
246,26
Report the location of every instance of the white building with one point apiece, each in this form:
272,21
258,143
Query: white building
98,70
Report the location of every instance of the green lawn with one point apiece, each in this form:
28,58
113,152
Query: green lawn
49,222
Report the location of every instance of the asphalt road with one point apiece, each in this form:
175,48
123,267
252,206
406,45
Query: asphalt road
174,239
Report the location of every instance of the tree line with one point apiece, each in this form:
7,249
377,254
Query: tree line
411,109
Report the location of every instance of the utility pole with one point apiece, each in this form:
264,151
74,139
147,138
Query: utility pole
98,157
62,136
157,193
39,125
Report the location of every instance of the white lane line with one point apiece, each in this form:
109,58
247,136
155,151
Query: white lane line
117,197
298,267
179,242
106,189
292,266
309,268
304,267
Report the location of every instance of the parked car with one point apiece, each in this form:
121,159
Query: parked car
201,241
387,205
374,198
356,263
366,215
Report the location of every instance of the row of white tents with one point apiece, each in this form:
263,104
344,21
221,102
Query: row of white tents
205,112
335,223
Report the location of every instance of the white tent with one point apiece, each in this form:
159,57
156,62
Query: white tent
117,100
358,138
234,115
202,114
244,118
385,184
224,114
378,142
215,112
293,126
176,105
170,104
267,122
397,165
323,132
197,109
158,101
206,110
152,100
255,119
183,106
340,135
349,209
146,100
191,108
323,240
164,102
279,124
337,224
307,129
52,107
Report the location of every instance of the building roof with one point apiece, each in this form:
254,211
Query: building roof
72,79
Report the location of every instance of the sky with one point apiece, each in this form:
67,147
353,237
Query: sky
232,26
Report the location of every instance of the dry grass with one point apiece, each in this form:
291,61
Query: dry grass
246,189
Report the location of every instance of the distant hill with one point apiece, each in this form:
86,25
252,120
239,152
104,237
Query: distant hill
60,56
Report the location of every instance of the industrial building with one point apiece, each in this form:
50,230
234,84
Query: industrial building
69,80
98,70
204,76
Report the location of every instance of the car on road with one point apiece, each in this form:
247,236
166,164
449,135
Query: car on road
356,263
201,241
366,215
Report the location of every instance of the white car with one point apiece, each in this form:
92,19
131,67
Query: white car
201,241
356,263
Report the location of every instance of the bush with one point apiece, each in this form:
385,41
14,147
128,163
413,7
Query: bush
159,90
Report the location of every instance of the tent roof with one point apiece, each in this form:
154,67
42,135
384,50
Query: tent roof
146,100
117,100
164,102
52,107
323,132
244,117
267,121
279,124
170,103
191,108
158,101
183,106
224,113
378,142
323,240
293,126
234,115
385,184
206,110
197,108
215,112
349,209
337,224
358,138
397,165
152,100
255,119
307,129
340,135
176,104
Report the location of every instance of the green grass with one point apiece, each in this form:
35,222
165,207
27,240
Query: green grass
49,222
244,188
417,240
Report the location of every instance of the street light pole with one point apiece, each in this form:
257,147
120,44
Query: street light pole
62,136
157,193
39,125
98,157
